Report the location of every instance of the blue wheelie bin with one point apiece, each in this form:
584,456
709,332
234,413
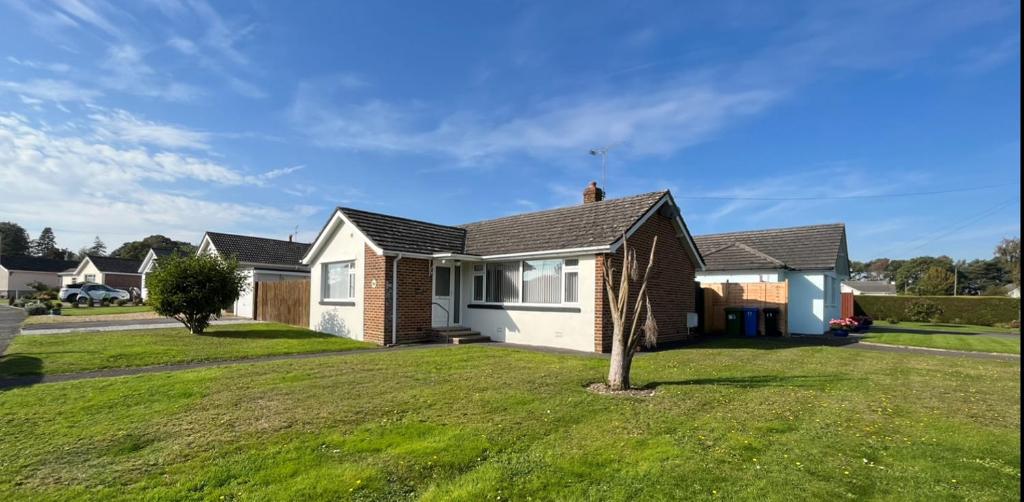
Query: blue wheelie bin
750,321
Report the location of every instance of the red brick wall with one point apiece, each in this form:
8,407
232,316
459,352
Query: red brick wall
414,298
671,286
375,313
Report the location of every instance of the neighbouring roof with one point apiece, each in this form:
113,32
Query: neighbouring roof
872,286
34,264
814,247
586,225
407,236
108,264
248,249
161,252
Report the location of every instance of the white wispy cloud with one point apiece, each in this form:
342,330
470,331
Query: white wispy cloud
122,126
656,121
127,71
51,90
40,65
121,191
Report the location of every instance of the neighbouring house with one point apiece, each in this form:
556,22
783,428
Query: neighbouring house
260,259
813,259
17,272
1013,291
114,272
148,263
533,278
869,288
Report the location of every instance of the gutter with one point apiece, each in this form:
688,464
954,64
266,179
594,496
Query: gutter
394,299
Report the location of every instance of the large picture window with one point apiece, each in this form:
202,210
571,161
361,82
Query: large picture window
539,282
339,281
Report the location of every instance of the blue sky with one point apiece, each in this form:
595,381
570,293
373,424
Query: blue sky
124,119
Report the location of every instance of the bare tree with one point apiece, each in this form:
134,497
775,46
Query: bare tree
626,339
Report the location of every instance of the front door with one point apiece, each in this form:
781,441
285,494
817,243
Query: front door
442,308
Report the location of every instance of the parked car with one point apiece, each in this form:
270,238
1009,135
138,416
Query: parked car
97,292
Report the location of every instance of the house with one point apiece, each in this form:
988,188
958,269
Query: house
260,259
114,272
869,288
533,278
812,258
148,262
17,272
1013,291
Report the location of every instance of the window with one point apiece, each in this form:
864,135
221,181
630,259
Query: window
502,282
442,281
90,277
478,283
542,281
572,281
339,280
529,281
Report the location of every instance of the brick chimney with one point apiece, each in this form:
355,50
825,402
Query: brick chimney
592,193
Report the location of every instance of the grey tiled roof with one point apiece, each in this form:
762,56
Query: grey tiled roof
34,264
594,224
161,252
403,235
248,249
872,286
585,225
107,264
815,247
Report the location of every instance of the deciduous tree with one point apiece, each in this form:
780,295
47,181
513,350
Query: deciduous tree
14,240
194,288
626,337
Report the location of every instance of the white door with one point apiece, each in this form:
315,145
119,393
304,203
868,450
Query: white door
441,310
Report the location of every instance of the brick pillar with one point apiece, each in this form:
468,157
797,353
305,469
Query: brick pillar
375,299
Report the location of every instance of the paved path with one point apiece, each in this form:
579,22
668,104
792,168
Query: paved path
905,349
890,329
10,325
115,325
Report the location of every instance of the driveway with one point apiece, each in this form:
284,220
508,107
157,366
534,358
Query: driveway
10,325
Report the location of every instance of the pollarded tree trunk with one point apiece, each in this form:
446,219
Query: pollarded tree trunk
626,338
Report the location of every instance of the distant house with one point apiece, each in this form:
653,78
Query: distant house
114,272
1013,291
533,278
17,272
813,259
260,259
147,266
869,288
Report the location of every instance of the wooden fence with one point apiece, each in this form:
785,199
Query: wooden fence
285,302
718,296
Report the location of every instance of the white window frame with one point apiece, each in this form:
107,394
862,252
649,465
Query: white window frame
325,284
90,278
561,302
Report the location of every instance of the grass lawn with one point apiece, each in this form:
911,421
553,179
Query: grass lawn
728,422
973,343
73,352
71,311
945,327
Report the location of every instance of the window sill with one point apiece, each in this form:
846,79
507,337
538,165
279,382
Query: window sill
529,308
338,303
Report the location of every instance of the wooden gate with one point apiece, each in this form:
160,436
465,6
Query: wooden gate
846,305
285,302
718,296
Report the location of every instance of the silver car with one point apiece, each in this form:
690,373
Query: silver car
77,293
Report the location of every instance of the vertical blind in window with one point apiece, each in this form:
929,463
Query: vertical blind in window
542,281
503,282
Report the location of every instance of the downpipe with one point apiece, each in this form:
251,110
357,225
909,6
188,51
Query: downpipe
394,300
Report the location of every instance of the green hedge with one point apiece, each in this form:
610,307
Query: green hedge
981,310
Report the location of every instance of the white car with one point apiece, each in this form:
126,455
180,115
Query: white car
97,292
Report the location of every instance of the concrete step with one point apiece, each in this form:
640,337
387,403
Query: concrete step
446,329
471,339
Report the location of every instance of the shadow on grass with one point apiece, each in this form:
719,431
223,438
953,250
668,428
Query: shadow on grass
18,370
268,334
755,381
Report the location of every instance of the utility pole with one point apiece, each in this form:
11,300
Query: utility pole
956,277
